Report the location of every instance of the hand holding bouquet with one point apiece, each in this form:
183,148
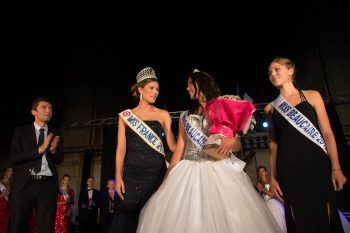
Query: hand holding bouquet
228,115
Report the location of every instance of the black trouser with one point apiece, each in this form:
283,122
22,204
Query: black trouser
88,220
40,195
107,221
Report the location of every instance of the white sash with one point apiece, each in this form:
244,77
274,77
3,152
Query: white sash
65,194
199,139
66,198
143,130
3,189
299,121
194,134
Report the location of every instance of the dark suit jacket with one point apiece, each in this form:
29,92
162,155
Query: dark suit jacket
105,204
84,199
24,154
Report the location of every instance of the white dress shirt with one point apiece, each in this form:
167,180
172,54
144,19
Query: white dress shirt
45,170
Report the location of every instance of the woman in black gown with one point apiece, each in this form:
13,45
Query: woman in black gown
302,173
140,168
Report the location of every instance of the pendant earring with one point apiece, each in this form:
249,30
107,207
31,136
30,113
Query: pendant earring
141,96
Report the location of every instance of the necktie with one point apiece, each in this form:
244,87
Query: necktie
37,167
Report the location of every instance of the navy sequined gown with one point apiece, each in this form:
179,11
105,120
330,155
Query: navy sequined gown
144,169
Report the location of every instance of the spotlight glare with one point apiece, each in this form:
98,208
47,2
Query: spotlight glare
265,124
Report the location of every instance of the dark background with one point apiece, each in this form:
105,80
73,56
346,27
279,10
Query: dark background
44,50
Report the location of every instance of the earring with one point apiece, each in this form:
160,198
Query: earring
141,96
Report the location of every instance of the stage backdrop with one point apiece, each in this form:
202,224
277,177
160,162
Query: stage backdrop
108,154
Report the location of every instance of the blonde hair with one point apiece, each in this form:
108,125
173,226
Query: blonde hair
287,63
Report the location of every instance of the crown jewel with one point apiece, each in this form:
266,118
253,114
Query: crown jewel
145,73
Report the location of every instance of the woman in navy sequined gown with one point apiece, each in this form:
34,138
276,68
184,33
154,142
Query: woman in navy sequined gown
302,173
140,169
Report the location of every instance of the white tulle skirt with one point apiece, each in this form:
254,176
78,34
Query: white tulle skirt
206,197
344,222
277,210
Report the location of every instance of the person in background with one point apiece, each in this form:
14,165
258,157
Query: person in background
107,205
89,204
276,206
5,191
65,200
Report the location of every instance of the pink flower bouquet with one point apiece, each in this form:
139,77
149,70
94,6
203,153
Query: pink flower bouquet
228,115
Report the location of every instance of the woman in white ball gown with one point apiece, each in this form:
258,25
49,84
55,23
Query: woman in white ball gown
201,194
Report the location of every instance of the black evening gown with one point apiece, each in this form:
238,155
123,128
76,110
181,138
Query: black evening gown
144,170
304,174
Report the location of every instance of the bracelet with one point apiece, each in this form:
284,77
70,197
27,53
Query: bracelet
336,169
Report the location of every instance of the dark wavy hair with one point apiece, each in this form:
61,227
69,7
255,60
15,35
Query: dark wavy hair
207,85
265,169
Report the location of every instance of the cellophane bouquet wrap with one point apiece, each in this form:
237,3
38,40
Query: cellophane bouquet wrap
227,115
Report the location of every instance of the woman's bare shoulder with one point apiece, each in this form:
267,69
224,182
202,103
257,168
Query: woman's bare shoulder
313,96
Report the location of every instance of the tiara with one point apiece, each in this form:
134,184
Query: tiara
195,71
145,73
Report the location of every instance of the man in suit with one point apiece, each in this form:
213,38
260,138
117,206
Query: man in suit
89,203
36,148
